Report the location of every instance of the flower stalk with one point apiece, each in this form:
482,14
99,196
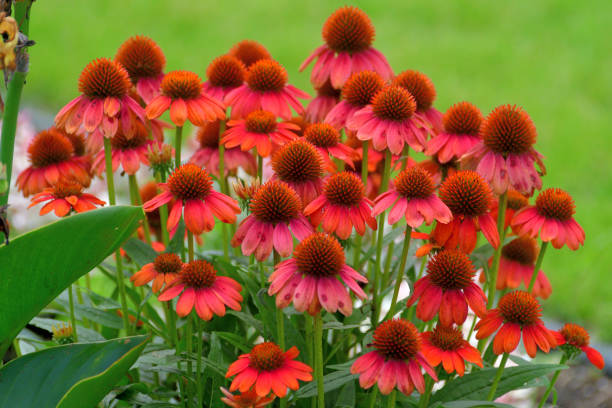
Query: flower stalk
501,219
537,266
318,345
500,371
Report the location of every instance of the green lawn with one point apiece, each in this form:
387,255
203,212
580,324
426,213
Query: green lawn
549,56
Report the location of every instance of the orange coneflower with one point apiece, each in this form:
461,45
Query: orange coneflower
445,345
64,197
247,399
327,97
573,338
249,52
422,89
327,140
130,152
268,369
224,73
163,271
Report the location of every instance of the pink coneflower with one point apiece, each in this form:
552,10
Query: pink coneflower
225,73
412,195
129,152
104,85
199,285
327,140
448,289
459,133
327,97
572,338
258,129
64,197
445,345
266,88
389,121
182,94
342,206
348,34
191,186
357,93
506,157
207,154
275,216
422,89
552,218
249,52
313,278
163,271
396,360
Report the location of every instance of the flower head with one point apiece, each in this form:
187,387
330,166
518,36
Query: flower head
224,74
249,52
64,197
446,345
163,271
160,157
267,368
327,97
247,399
422,89
327,140
573,338
63,334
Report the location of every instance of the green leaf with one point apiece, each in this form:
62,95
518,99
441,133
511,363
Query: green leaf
140,252
346,397
475,386
331,382
471,404
177,242
71,376
39,265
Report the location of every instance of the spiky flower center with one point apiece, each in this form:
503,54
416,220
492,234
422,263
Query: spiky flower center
345,189
462,118
523,250
348,29
575,335
451,269
138,139
190,182
198,274
249,52
266,357
168,263
447,338
414,182
394,103
49,147
297,161
420,87
519,307
555,203
102,78
466,193
362,87
266,76
181,85
322,135
208,135
78,143
508,130
516,200
67,188
397,339
226,71
141,57
260,121
328,90
275,202
320,255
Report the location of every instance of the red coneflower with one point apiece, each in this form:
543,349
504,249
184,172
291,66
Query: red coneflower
224,73
51,155
191,186
247,399
575,338
127,151
249,52
448,288
469,197
299,164
357,93
207,154
348,34
144,61
445,344
412,195
64,197
422,89
313,278
203,288
268,369
390,121
517,313
258,129
459,133
327,140
396,360
327,97
552,219
515,201
163,271
104,85
275,215
505,157
266,88
342,206
182,93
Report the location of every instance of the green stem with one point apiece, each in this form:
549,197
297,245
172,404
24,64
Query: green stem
500,371
501,228
189,351
386,276
163,216
200,388
392,398
424,400
224,188
308,328
137,201
364,163
259,168
538,264
72,316
551,385
373,396
400,272
178,143
318,346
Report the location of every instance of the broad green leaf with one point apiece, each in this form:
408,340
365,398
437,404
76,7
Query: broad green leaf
140,252
177,242
37,266
331,382
71,376
346,397
475,386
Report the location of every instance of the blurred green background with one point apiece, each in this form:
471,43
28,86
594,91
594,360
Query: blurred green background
552,57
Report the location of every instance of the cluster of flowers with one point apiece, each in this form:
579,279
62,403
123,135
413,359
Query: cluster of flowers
319,176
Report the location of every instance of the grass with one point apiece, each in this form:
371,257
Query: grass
550,56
